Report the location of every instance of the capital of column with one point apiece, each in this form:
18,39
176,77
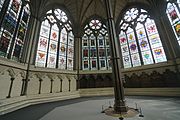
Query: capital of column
77,37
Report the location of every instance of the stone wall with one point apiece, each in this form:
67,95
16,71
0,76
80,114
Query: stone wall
44,85
157,75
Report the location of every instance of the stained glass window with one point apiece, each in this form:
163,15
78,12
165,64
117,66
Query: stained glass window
1,3
13,30
56,42
139,39
95,47
173,13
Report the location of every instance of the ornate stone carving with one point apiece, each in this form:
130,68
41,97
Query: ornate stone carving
23,75
60,76
40,75
3,69
51,76
11,73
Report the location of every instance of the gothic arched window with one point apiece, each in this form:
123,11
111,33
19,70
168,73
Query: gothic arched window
13,29
173,13
56,41
95,47
139,39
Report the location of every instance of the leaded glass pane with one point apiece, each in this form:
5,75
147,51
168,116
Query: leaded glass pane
125,50
107,41
102,64
135,60
93,64
45,29
139,39
54,33
95,47
1,3
95,24
159,54
51,60
40,59
62,62
56,41
147,57
85,52
173,14
85,64
70,52
127,61
21,33
53,47
156,45
8,28
4,43
63,38
70,64
61,15
140,31
42,45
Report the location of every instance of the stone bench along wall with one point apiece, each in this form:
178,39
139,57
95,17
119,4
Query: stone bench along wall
44,85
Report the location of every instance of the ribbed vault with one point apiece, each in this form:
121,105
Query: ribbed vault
80,11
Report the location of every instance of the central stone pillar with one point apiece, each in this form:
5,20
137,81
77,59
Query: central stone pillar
77,58
119,105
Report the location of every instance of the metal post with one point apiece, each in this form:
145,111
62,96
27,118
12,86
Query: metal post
119,105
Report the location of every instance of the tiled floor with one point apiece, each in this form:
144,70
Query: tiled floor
153,108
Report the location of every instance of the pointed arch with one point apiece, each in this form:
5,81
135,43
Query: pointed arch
56,41
95,45
139,39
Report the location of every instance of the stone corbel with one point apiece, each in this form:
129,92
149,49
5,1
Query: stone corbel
11,73
23,75
40,75
75,77
59,76
2,70
62,76
52,77
69,77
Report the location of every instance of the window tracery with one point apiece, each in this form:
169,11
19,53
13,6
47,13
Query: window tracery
139,39
95,47
56,41
13,29
173,13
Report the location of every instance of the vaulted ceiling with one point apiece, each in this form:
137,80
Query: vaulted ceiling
81,10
